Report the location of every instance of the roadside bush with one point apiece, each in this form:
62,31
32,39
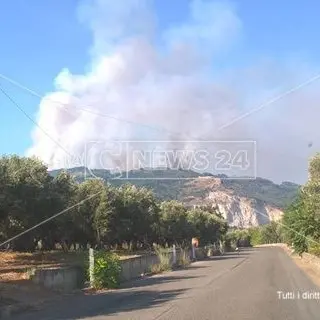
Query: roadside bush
256,237
184,258
164,260
107,270
201,253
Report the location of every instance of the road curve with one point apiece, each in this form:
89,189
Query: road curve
231,287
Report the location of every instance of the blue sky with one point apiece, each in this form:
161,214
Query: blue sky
39,38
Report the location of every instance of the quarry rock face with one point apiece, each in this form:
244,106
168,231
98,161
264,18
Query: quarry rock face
243,212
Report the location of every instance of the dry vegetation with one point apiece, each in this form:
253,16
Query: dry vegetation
15,266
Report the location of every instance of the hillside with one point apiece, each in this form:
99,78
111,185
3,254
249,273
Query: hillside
243,202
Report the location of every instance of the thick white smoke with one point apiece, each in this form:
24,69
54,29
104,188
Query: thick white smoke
172,85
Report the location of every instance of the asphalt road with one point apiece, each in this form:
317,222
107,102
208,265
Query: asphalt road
231,287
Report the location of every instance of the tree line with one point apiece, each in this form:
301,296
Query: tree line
263,234
100,215
301,221
300,224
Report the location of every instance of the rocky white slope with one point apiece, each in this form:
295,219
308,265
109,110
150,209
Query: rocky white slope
239,211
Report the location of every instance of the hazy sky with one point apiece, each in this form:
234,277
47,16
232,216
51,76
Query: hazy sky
170,70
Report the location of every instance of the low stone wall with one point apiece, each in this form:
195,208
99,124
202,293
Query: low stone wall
133,268
61,278
201,253
71,278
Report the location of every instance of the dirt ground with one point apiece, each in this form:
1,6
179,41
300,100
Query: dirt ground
15,286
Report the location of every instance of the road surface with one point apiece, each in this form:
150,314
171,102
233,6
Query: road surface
230,287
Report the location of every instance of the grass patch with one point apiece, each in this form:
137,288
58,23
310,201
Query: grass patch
184,258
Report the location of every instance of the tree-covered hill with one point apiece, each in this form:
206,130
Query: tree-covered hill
174,184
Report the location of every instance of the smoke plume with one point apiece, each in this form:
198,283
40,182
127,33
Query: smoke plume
146,83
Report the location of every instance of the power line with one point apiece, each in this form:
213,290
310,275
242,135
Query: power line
31,119
85,108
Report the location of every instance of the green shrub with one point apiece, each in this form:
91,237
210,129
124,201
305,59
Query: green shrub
106,271
314,248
